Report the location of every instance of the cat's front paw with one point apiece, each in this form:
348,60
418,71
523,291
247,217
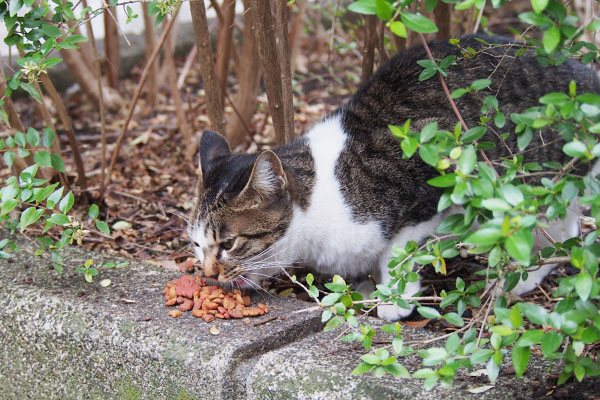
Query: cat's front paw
391,312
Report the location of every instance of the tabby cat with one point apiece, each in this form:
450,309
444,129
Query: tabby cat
338,198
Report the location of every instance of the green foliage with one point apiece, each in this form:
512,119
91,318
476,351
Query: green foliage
502,213
26,200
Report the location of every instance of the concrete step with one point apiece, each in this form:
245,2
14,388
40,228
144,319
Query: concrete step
62,338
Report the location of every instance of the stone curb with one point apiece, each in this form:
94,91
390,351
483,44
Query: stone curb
61,338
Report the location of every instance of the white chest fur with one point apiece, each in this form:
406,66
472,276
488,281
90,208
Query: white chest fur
325,235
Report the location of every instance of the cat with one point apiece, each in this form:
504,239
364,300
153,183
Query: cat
339,197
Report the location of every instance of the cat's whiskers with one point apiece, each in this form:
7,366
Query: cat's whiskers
254,285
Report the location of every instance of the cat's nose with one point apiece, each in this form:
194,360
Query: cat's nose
209,266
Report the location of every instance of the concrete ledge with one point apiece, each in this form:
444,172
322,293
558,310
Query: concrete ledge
61,338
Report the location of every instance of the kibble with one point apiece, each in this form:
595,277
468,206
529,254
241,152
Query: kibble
208,302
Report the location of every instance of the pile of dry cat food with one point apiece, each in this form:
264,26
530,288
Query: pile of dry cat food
208,302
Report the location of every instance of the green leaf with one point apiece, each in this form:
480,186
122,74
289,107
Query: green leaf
495,204
511,194
536,314
500,119
429,154
480,84
93,211
533,18
530,337
550,342
454,319
42,158
54,197
20,139
524,139
519,246
427,73
9,158
29,216
554,98
333,323
481,355
8,206
384,9
418,23
467,160
539,5
14,7
397,370
409,145
57,162
575,148
457,93
428,132
66,203
331,299
473,134
551,39
428,312
515,317
520,359
366,7
484,236
583,285
103,227
50,30
362,368
398,29
33,137
443,180
32,91
48,138
59,219
370,358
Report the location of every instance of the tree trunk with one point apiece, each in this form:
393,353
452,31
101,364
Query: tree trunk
190,145
383,54
296,33
111,45
369,47
207,66
86,79
248,84
443,17
280,105
149,35
224,36
283,47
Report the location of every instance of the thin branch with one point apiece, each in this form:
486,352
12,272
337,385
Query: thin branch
453,104
98,72
136,96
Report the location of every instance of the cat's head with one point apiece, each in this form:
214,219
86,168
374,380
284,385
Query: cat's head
242,207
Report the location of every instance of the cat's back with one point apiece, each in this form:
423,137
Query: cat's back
375,180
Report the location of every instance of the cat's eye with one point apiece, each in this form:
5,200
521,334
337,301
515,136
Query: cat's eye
228,244
196,244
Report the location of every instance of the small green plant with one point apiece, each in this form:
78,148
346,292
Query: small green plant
511,203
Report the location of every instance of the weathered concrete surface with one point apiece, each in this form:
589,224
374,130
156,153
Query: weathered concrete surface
61,338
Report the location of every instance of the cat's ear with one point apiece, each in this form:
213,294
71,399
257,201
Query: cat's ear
267,178
212,146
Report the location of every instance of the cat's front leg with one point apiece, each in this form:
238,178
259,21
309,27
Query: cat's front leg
391,312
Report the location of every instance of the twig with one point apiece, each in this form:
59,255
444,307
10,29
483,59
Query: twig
189,60
98,72
303,287
453,104
265,320
136,96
